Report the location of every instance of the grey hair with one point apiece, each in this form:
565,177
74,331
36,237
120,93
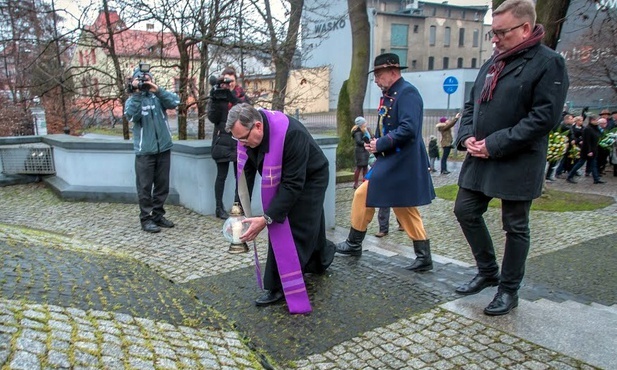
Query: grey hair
243,112
520,9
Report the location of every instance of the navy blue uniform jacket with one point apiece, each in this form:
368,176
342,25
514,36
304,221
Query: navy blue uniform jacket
400,176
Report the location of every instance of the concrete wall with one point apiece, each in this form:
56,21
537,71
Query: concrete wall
103,170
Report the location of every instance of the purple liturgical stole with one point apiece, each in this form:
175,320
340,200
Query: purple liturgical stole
283,245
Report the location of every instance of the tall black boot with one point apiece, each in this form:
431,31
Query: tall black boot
353,245
423,261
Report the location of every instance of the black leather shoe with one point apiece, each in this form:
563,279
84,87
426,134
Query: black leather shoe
150,227
163,222
446,172
477,284
571,180
599,182
221,213
502,304
270,297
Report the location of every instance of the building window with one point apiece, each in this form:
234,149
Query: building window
399,41
476,37
414,64
462,14
434,11
399,35
432,35
461,37
446,37
474,62
95,82
431,63
459,63
415,28
446,62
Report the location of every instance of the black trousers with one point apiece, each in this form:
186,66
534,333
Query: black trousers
444,157
222,169
469,209
152,180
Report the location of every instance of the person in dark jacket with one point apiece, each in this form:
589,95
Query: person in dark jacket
399,178
222,97
515,102
146,109
295,176
359,132
433,152
589,151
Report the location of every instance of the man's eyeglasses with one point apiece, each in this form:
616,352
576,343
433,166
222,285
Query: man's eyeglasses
245,138
502,33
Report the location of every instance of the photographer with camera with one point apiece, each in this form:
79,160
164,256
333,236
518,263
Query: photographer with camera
146,110
225,94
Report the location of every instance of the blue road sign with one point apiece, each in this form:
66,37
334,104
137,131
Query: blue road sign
450,85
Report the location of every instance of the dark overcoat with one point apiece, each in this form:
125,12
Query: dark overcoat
400,176
526,105
361,153
300,197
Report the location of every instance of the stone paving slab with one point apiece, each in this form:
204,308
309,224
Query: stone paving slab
438,339
369,312
587,270
558,326
356,295
44,336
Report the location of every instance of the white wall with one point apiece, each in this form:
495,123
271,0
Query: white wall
101,167
430,86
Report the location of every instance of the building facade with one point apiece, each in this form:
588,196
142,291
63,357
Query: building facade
588,43
426,37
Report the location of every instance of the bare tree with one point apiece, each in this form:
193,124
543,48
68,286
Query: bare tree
216,29
591,56
32,59
280,42
351,98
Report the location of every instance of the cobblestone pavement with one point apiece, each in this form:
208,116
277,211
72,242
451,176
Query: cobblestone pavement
82,287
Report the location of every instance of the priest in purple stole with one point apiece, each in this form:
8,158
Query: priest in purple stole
295,175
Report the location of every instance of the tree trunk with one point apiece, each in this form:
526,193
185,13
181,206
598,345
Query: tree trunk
283,58
551,14
353,91
184,91
360,29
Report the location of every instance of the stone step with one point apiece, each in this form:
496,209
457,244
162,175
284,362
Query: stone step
582,331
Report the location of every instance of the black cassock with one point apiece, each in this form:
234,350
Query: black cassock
300,198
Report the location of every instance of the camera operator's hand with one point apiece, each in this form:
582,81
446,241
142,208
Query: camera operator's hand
152,87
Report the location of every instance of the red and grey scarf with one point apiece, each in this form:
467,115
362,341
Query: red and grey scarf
499,62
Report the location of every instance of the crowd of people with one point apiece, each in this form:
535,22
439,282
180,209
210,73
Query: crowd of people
502,139
585,146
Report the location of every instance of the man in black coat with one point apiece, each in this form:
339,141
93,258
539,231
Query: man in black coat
300,185
589,151
515,102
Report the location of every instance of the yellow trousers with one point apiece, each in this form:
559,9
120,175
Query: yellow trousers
409,217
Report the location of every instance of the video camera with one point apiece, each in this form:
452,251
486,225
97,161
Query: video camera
140,75
218,91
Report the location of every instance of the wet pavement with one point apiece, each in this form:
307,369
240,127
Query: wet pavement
82,287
